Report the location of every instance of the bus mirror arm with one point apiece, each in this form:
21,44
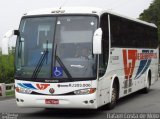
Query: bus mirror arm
97,41
16,32
5,40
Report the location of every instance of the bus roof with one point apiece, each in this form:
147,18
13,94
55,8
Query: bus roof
82,10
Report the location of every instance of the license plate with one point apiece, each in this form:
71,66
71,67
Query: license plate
51,101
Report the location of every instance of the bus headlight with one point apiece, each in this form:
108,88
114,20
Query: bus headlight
25,91
85,91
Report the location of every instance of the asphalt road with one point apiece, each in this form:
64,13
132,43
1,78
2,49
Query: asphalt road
135,103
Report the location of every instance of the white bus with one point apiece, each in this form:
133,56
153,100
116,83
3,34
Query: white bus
77,57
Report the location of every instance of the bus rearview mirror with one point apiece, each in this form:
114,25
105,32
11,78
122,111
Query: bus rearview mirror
97,41
5,40
10,33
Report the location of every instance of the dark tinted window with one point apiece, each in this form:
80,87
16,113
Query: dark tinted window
105,44
127,33
105,37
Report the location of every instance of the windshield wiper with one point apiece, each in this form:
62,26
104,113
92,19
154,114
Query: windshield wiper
62,65
40,62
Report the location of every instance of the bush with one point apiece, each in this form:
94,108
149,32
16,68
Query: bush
7,68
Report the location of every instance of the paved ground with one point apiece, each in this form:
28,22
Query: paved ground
137,102
6,98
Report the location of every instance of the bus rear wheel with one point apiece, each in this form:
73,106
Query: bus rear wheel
147,88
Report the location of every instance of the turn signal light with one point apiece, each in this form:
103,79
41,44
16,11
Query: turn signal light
85,91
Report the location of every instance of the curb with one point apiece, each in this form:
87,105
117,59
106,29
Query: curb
7,98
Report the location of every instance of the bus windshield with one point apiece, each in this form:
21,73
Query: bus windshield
56,47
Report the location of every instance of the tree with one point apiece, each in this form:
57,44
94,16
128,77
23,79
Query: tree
152,14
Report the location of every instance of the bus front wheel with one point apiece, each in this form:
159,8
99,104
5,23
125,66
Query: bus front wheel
114,97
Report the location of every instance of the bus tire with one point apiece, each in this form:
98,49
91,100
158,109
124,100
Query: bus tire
114,97
147,88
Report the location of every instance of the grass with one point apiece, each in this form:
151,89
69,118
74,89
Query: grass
10,93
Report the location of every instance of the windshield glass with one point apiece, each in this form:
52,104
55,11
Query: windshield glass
56,47
36,38
74,46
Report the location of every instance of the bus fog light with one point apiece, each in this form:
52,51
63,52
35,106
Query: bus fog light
85,91
86,102
17,100
91,101
21,100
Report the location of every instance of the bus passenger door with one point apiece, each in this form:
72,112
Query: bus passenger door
103,62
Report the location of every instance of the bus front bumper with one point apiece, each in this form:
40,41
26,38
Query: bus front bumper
75,101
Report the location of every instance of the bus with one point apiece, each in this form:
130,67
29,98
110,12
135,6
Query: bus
81,57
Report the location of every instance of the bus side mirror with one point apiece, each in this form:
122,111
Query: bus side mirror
97,41
10,33
5,40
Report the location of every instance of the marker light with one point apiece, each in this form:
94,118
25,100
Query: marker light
58,11
85,91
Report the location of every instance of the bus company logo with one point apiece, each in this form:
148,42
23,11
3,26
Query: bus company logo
32,87
129,60
146,55
42,86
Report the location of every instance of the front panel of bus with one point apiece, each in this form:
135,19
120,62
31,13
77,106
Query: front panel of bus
55,65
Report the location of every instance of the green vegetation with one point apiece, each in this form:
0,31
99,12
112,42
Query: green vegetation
7,68
152,14
10,93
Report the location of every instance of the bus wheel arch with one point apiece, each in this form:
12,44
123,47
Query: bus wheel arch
114,93
148,81
118,86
